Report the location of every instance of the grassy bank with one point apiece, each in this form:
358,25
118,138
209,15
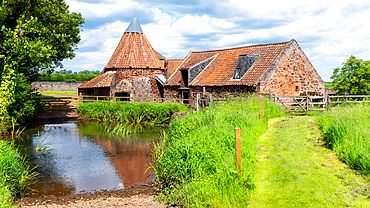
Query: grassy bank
346,129
15,174
144,113
295,169
195,166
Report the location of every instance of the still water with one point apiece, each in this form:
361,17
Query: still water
83,158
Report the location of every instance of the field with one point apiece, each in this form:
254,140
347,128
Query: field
329,85
59,93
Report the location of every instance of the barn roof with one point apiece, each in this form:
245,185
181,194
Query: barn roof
103,80
218,67
134,51
171,65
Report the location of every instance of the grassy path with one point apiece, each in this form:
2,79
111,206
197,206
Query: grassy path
295,169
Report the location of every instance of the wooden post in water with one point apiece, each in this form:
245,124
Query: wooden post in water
238,150
261,117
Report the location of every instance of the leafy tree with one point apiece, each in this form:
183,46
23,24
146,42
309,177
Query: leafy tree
89,72
353,77
54,26
35,35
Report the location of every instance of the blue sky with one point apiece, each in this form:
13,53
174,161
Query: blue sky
328,31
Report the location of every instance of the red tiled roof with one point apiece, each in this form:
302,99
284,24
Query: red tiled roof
134,51
171,65
103,80
221,70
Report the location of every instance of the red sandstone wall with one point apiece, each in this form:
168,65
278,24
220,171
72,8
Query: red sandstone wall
217,92
144,88
294,75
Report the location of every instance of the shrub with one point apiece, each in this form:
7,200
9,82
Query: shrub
70,80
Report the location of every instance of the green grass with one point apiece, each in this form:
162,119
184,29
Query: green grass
139,113
329,85
195,164
347,131
295,169
15,174
58,93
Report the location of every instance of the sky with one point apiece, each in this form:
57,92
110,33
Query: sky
328,31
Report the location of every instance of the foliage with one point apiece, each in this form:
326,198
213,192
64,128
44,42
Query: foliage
195,163
35,35
353,77
346,130
15,173
139,113
53,28
329,85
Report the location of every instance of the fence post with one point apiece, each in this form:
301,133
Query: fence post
79,98
261,116
238,153
97,98
197,101
210,99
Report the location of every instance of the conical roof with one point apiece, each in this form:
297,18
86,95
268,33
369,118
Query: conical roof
134,26
134,51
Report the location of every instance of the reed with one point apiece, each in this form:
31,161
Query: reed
195,163
15,174
139,113
346,130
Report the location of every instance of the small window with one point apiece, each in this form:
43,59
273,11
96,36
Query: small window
237,73
244,63
296,88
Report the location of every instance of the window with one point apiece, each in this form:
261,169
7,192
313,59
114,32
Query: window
244,63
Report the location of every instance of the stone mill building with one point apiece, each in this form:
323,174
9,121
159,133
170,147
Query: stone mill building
137,70
279,68
134,70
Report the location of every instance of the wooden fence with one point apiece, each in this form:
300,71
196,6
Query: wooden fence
303,104
56,102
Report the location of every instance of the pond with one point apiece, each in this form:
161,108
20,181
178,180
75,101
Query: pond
83,158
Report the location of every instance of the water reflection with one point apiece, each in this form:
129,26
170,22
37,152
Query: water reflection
84,158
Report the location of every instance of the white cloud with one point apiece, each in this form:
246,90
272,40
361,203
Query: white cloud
328,31
106,9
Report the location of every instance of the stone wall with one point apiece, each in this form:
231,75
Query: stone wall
142,81
56,86
219,92
294,75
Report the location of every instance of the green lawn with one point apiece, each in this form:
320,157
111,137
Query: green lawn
329,85
295,169
58,93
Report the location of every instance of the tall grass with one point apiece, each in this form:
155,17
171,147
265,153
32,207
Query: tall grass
15,174
139,113
195,164
347,131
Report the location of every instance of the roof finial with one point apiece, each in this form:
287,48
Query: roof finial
134,26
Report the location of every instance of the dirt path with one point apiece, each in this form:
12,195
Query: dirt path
295,169
137,196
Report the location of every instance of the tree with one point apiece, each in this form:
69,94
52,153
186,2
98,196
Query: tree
353,77
35,35
54,26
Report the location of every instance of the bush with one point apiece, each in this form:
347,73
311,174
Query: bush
70,80
195,164
346,130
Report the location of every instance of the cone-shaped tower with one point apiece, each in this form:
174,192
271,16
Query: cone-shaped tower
134,51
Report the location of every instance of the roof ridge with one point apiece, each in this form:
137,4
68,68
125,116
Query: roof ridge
238,47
